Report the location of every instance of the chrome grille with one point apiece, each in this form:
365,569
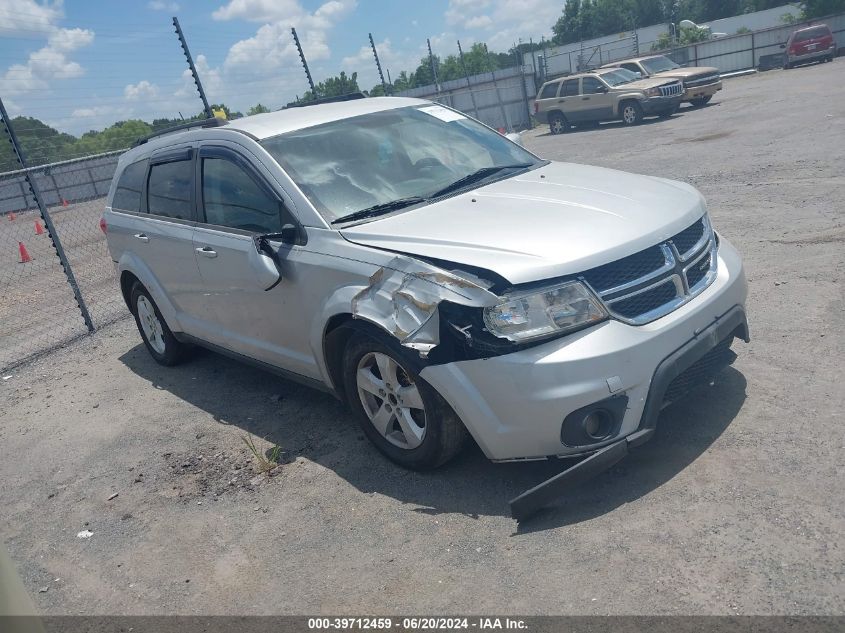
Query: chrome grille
700,80
651,283
672,90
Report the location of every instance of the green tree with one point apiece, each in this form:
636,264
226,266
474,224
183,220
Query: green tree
258,108
335,86
821,8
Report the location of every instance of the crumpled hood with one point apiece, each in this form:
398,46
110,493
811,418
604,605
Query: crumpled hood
557,220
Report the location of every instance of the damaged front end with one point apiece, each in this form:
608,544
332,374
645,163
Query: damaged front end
402,298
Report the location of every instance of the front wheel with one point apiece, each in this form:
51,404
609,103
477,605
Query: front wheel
632,113
159,340
558,123
700,102
406,419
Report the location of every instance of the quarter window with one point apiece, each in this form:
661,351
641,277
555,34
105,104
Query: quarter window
127,195
233,199
169,190
570,88
549,91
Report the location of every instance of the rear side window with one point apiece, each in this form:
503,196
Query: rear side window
570,88
169,190
591,85
232,198
549,91
127,195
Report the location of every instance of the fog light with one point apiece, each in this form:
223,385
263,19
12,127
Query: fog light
597,424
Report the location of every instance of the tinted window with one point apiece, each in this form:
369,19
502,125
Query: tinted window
549,91
169,189
632,67
570,88
591,86
232,198
127,195
811,34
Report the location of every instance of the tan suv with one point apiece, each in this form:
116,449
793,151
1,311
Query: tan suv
700,82
612,94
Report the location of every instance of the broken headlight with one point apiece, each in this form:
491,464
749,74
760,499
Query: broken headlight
556,310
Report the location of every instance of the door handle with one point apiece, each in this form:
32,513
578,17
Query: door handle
585,98
206,251
142,237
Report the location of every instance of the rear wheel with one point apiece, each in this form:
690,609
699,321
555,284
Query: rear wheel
700,102
632,113
159,340
406,419
558,123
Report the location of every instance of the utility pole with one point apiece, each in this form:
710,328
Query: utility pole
378,64
469,85
193,69
304,63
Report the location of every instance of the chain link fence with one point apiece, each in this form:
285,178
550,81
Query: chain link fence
39,310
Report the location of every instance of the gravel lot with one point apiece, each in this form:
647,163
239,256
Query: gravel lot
736,507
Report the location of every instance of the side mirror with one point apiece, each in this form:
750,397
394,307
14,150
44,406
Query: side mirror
638,74
783,45
601,89
514,137
262,261
289,234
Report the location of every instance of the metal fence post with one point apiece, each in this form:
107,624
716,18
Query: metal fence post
193,68
469,85
304,63
48,221
498,94
378,64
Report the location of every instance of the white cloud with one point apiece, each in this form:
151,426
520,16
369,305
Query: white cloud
29,16
142,90
160,5
504,21
391,59
47,64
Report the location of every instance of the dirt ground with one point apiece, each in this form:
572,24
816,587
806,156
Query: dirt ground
735,507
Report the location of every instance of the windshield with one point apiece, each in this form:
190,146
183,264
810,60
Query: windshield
658,64
619,77
370,161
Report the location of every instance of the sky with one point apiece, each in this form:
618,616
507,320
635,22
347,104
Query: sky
80,65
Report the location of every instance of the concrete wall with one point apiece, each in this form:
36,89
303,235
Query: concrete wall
482,101
71,181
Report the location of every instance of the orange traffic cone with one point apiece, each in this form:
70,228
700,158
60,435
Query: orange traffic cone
38,229
64,202
12,216
25,258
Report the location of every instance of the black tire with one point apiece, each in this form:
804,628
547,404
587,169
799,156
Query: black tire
787,66
558,123
700,102
173,351
632,113
445,434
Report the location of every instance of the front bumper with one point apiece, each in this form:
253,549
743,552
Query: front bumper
660,105
514,405
707,90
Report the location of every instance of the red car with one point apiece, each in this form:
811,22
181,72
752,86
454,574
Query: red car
814,43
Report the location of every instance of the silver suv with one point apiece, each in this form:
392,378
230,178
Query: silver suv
439,278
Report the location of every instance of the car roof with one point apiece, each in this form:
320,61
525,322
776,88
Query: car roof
811,27
588,73
630,59
269,124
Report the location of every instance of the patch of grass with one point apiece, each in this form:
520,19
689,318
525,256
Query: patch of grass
266,463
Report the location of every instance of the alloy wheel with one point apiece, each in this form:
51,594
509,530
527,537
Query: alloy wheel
151,325
391,400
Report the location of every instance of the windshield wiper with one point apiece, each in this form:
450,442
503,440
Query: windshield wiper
475,176
380,209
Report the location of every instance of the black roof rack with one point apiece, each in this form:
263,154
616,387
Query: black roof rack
212,122
347,97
